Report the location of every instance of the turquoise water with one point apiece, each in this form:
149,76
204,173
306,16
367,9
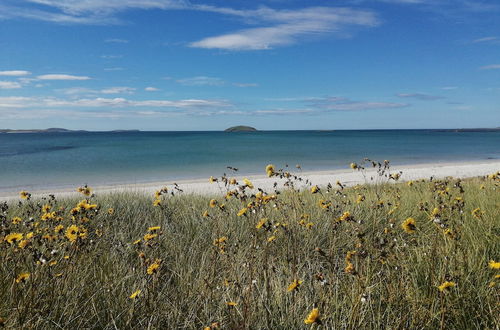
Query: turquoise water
34,161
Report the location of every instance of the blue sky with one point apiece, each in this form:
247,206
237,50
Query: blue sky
275,64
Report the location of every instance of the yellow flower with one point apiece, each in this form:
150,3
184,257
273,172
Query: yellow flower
213,203
29,235
135,294
409,225
16,220
154,228
22,277
410,183
13,237
233,181
261,223
313,317
248,183
85,190
477,213
23,243
446,285
46,208
435,212
494,264
294,285
111,211
231,304
270,170
345,216
272,238
243,211
314,189
72,233
58,229
212,179
157,202
153,268
354,166
360,199
205,214
148,237
24,195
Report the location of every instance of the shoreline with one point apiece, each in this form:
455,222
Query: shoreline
348,177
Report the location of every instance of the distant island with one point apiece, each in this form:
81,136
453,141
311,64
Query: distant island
55,130
241,128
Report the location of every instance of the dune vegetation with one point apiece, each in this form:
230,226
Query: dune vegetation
394,255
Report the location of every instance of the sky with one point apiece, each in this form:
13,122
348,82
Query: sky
175,65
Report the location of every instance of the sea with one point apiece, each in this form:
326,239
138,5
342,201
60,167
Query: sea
41,161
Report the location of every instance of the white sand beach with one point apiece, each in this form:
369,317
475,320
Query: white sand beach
347,177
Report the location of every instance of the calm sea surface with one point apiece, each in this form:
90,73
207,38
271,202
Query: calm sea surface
34,161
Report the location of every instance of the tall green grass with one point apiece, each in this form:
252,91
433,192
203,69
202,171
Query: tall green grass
394,284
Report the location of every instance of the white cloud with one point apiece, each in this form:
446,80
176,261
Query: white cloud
485,39
420,96
151,89
9,85
285,27
118,90
201,81
14,73
116,41
490,67
449,88
61,77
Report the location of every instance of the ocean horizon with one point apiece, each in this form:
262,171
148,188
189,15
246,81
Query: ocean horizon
62,160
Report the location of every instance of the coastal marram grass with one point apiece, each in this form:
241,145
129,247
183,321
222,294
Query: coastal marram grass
387,255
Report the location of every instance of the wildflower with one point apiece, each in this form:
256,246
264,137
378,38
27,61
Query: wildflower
446,285
24,195
23,243
53,263
294,285
360,199
482,187
135,294
410,183
148,237
435,212
313,317
85,191
153,268
46,208
154,228
248,183
354,166
13,237
231,304
157,202
494,264
72,233
477,213
16,220
22,277
324,204
345,216
314,189
243,211
270,170
272,238
136,242
212,179
261,223
205,214
233,181
213,203
29,235
111,211
409,225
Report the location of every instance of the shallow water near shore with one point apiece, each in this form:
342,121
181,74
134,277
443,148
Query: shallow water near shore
35,161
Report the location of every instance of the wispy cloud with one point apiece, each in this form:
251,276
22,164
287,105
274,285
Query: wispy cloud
486,40
61,77
285,27
15,73
151,89
449,88
116,41
201,81
420,96
338,103
9,85
118,90
79,91
245,85
490,67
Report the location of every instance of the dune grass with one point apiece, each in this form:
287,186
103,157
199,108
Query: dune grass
333,257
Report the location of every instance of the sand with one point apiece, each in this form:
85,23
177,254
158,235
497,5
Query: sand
321,178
